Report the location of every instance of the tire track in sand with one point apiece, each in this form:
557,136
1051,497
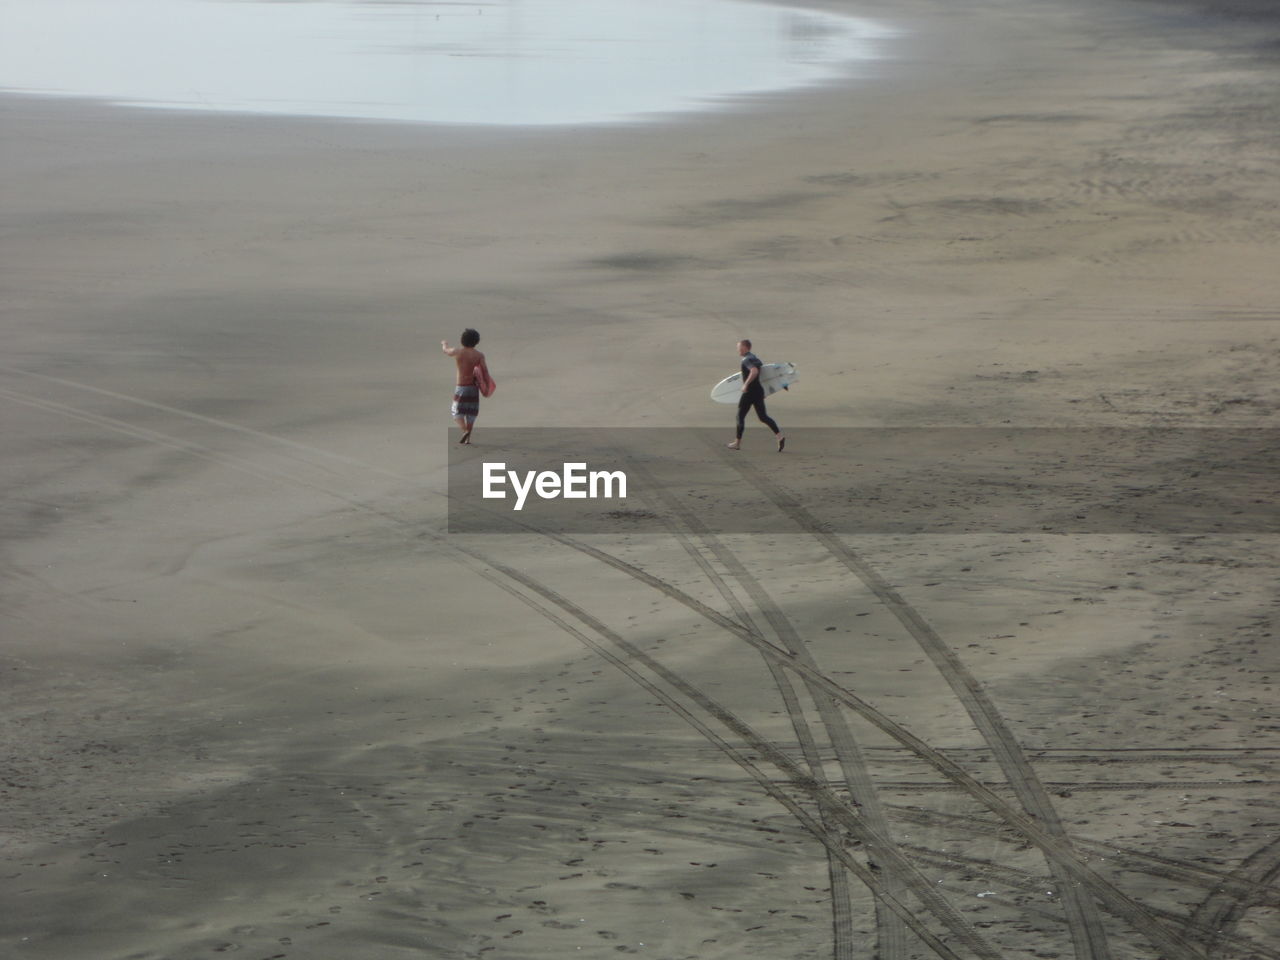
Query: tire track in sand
1029,884
1083,919
891,931
825,798
1223,909
798,778
1175,945
841,908
1229,887
1120,904
1126,858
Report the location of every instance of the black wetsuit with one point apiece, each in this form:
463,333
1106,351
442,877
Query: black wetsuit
753,396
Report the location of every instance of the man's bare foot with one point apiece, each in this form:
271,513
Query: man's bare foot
782,442
735,445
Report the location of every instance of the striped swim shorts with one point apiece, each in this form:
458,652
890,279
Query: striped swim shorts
466,402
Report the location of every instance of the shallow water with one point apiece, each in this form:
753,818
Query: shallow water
491,62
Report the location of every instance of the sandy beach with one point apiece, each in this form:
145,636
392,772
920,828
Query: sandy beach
259,701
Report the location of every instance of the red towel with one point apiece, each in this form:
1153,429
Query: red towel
485,382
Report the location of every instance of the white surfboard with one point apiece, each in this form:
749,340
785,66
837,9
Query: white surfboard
773,377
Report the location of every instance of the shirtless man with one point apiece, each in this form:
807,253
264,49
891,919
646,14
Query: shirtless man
753,396
466,395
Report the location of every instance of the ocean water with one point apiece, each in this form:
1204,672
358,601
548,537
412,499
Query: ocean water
452,61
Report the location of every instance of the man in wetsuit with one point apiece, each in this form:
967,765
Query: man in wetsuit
753,396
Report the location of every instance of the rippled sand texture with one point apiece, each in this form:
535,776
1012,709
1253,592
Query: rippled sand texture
257,703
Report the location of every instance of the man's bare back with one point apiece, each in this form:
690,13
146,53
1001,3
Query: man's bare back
467,359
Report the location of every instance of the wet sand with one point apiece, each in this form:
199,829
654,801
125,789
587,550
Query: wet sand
257,702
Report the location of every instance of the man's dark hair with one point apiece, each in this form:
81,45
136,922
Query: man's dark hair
745,342
470,338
